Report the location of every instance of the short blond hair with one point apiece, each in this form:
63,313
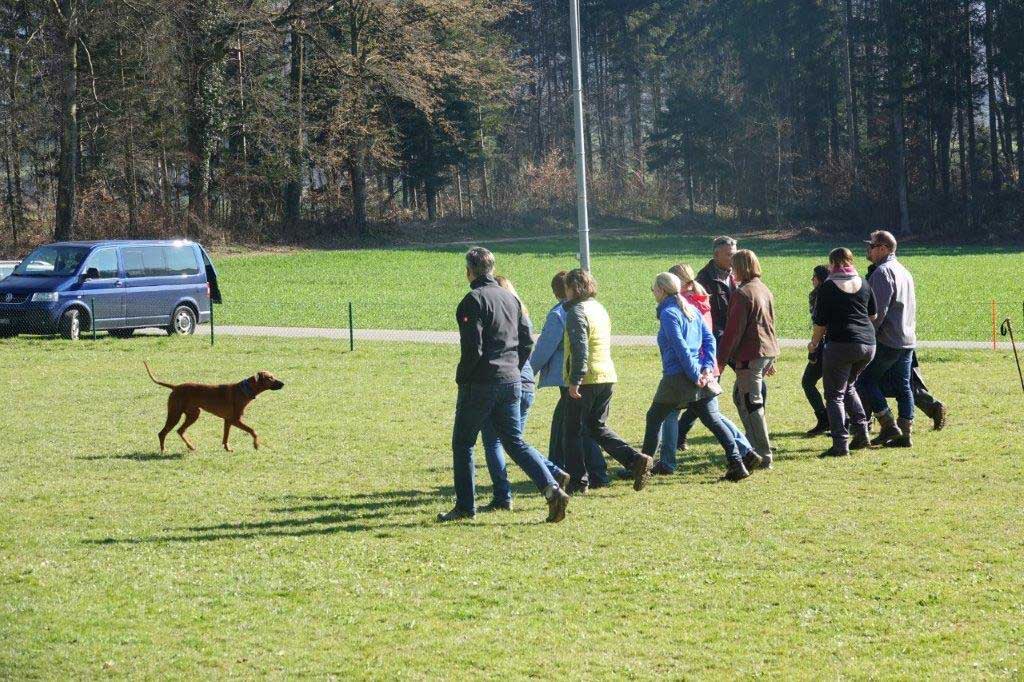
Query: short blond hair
746,265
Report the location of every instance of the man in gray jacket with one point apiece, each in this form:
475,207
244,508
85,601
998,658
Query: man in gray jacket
896,338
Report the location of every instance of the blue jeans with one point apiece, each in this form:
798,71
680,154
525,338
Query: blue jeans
689,417
659,416
495,455
670,436
897,362
499,402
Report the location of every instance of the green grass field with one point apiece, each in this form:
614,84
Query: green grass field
418,289
317,556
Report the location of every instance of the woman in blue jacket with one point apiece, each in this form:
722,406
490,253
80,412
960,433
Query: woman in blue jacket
688,359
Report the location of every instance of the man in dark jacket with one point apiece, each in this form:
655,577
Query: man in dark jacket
496,343
716,278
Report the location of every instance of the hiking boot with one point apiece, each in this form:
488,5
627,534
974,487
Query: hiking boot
736,472
752,461
641,471
661,469
557,503
902,440
837,450
821,427
562,479
938,414
455,514
496,505
888,430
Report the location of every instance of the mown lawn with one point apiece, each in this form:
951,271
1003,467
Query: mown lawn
317,556
418,289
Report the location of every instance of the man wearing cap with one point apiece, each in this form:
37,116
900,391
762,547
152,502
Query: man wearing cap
896,334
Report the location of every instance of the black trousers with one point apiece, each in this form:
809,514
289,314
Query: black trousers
812,375
589,416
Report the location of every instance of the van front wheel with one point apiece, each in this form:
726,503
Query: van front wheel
183,322
71,324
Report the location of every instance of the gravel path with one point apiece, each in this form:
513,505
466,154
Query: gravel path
453,337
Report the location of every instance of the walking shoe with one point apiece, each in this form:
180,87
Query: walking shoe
496,505
821,427
888,430
641,471
752,460
455,514
562,479
835,451
736,472
661,469
860,440
903,440
767,460
938,415
576,488
557,503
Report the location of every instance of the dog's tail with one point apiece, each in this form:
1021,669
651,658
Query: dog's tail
155,380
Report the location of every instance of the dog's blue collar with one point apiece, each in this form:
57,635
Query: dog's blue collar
247,388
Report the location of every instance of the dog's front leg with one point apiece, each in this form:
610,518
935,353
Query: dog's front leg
248,429
227,430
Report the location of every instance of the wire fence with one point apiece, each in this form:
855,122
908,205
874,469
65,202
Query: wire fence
89,317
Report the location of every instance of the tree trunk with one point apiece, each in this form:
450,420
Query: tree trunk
990,81
357,176
484,189
972,146
293,190
896,74
67,179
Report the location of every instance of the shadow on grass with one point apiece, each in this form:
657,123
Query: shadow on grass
358,513
136,457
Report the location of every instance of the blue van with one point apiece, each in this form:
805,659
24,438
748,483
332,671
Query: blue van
128,285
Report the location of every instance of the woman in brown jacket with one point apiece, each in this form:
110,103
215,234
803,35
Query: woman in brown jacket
750,347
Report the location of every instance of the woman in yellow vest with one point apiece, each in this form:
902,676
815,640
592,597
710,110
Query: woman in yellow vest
590,376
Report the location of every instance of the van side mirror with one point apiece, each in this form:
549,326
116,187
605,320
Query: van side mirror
91,273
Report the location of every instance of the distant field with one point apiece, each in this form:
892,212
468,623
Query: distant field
418,289
318,557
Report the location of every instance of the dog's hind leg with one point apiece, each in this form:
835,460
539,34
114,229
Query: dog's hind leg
173,416
190,419
227,430
248,429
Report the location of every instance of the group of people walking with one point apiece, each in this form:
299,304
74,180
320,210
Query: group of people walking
722,317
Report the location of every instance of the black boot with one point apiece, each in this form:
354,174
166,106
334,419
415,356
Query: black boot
736,472
861,440
821,427
840,448
888,430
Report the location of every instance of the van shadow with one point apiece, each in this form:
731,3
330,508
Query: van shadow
136,457
296,516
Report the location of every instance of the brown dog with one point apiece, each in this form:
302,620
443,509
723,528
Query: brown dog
227,401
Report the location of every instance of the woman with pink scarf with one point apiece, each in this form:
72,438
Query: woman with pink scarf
843,314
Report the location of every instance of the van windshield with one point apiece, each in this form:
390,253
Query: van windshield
52,261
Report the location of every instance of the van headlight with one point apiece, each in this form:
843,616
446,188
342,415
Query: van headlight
45,297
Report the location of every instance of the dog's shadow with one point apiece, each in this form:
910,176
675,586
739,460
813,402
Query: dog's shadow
136,457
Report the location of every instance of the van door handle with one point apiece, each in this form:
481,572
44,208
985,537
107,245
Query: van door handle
118,283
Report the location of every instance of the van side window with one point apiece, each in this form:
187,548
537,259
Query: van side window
154,262
181,260
104,260
133,265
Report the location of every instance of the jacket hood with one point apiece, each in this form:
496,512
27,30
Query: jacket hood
702,302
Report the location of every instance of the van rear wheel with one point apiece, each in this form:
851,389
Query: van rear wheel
183,322
71,324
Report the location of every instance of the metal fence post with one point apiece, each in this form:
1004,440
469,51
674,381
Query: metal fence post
351,330
92,315
211,322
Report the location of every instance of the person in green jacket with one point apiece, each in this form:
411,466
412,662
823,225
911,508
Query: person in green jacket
590,377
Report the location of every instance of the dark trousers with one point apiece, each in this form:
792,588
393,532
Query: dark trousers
894,360
593,459
843,363
809,382
588,416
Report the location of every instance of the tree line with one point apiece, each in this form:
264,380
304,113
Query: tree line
287,117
